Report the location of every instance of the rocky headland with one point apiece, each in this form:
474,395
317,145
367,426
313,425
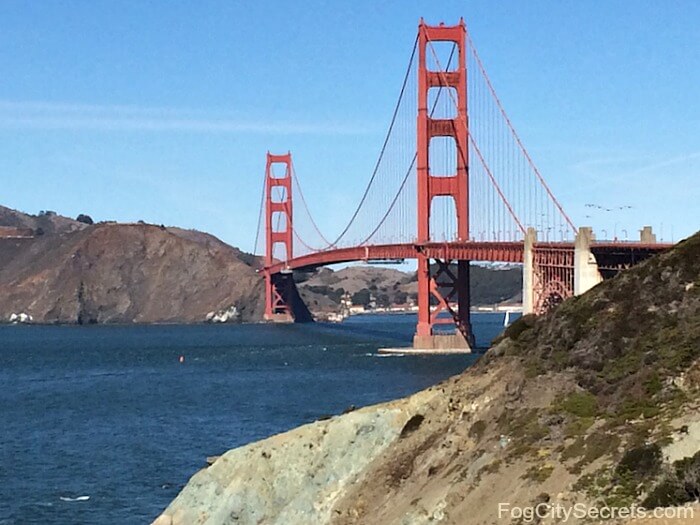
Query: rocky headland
596,403
66,271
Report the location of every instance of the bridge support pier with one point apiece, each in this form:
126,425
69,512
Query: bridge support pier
586,273
529,271
647,235
283,304
446,283
276,307
438,342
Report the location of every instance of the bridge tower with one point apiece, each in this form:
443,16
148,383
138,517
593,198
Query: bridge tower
278,231
446,282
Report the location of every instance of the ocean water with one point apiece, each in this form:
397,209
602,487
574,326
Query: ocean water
104,425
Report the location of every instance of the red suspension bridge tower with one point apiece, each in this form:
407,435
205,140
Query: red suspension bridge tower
278,232
449,287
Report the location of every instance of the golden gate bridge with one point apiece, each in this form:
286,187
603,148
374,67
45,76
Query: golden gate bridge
452,183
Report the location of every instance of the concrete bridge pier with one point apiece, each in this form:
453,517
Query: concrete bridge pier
553,273
529,271
586,272
647,236
585,269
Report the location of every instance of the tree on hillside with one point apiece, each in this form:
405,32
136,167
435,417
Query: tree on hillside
85,219
363,297
400,297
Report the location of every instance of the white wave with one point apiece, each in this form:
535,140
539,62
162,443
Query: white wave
77,498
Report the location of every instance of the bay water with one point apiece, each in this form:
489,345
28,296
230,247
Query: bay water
105,424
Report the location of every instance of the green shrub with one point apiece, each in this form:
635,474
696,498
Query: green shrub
680,486
581,404
539,474
642,462
526,322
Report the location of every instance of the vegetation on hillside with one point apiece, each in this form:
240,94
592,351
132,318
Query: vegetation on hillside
632,346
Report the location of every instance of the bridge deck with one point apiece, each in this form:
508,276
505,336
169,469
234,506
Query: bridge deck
507,252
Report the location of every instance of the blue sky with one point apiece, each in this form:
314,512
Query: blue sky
163,111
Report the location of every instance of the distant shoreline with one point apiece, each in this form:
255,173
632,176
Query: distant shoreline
474,310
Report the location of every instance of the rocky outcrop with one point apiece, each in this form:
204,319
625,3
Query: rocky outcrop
21,318
226,315
571,408
291,477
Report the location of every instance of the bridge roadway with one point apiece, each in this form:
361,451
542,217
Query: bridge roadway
484,251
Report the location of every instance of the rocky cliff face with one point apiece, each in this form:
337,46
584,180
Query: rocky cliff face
597,403
124,273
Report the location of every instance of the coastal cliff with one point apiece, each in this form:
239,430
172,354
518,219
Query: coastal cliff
66,271
596,403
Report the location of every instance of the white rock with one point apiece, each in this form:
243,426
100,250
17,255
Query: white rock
222,316
21,318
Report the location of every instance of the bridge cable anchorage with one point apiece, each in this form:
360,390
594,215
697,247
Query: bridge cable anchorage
471,138
410,167
486,77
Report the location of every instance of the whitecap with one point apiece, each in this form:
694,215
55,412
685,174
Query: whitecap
77,498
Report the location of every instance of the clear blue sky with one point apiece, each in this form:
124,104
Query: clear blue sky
163,111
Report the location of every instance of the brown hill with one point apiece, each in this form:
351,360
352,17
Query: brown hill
121,273
322,289
47,222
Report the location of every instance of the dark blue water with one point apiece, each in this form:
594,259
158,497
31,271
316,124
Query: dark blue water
110,413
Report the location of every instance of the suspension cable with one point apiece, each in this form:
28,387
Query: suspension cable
384,146
260,214
471,138
515,133
306,207
413,162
